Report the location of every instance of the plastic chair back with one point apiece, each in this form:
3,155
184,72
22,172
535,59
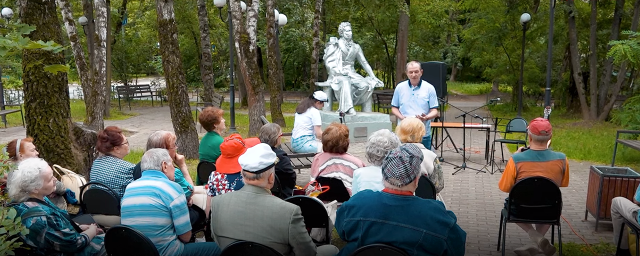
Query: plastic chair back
379,250
276,190
122,240
535,199
426,189
246,248
517,125
313,212
204,170
337,191
99,199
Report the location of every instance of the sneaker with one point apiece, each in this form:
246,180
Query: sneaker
543,243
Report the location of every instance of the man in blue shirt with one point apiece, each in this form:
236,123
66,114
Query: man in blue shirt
416,98
157,207
623,208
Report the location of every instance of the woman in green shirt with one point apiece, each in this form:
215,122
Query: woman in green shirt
211,120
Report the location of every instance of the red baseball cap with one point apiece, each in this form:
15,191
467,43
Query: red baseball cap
540,127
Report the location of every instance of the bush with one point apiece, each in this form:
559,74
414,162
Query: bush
628,116
10,224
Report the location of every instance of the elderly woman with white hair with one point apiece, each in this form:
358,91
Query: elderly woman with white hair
51,230
379,144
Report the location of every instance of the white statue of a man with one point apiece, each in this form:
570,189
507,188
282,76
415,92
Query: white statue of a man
349,87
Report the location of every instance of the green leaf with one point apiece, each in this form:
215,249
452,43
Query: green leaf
54,69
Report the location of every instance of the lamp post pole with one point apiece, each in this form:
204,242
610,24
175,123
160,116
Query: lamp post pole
524,19
547,90
6,13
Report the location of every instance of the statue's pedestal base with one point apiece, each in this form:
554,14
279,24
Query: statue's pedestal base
360,125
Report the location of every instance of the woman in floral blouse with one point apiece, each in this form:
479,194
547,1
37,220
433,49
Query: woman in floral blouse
51,230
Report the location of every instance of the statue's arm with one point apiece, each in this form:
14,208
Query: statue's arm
363,62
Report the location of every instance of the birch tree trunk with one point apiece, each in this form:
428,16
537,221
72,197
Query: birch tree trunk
100,64
206,60
246,48
181,118
275,76
402,42
315,58
47,111
575,60
107,78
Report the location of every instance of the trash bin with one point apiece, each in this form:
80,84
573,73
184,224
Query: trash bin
605,183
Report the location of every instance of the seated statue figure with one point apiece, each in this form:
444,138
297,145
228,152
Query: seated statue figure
349,87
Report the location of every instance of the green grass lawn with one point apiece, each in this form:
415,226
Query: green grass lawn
474,88
579,140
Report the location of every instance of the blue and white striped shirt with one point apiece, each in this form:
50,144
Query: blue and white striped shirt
156,206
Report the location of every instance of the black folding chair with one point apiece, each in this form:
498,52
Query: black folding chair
535,200
122,240
337,191
426,189
204,170
313,212
276,190
246,248
99,199
636,230
515,125
379,250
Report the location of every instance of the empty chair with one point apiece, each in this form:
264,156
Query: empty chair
337,191
535,200
313,212
426,189
204,170
379,250
101,202
122,240
515,125
246,248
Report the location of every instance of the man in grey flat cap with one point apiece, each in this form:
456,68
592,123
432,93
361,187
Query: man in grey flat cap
395,216
253,214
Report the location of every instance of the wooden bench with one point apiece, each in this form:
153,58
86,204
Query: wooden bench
634,144
139,91
382,100
4,113
299,161
217,102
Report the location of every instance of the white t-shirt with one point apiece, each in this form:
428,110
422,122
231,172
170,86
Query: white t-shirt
304,123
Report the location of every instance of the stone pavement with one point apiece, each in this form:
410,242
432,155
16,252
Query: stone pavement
473,197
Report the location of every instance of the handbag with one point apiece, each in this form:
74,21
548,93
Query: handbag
314,188
70,179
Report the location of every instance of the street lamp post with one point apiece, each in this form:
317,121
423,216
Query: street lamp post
232,97
547,91
524,19
7,14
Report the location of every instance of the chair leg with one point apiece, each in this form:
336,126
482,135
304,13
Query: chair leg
552,231
637,244
500,232
620,236
504,236
559,240
502,150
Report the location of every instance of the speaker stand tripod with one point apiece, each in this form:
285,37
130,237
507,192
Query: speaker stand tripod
464,141
442,132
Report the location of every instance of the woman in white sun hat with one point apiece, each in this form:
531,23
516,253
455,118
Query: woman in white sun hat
307,131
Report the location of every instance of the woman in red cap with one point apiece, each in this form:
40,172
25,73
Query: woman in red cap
226,178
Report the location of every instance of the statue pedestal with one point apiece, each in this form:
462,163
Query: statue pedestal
360,125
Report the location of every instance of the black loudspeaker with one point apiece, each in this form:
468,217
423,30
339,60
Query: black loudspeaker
435,73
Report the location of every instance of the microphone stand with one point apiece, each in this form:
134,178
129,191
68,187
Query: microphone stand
442,131
464,141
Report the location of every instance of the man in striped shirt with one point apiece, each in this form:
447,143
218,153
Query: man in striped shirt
156,206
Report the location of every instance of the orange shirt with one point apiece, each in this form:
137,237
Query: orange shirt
545,163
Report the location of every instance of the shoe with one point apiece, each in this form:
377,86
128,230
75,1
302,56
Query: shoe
527,250
543,243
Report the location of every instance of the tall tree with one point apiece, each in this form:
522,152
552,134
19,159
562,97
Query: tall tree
275,67
206,60
402,42
575,59
181,118
608,63
47,110
315,54
593,59
246,48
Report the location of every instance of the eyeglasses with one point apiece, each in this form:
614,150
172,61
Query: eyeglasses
126,142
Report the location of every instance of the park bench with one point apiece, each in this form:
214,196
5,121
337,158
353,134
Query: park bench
140,91
4,113
634,144
217,102
382,100
299,161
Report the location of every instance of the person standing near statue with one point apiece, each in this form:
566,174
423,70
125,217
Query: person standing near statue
349,87
416,98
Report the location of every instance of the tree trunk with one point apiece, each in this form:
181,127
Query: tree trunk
402,42
275,76
100,64
575,60
593,60
246,47
181,118
608,63
47,111
241,86
454,72
206,60
107,94
495,86
315,53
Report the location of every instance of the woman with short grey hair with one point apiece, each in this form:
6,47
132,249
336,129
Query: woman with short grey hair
51,230
377,147
271,134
